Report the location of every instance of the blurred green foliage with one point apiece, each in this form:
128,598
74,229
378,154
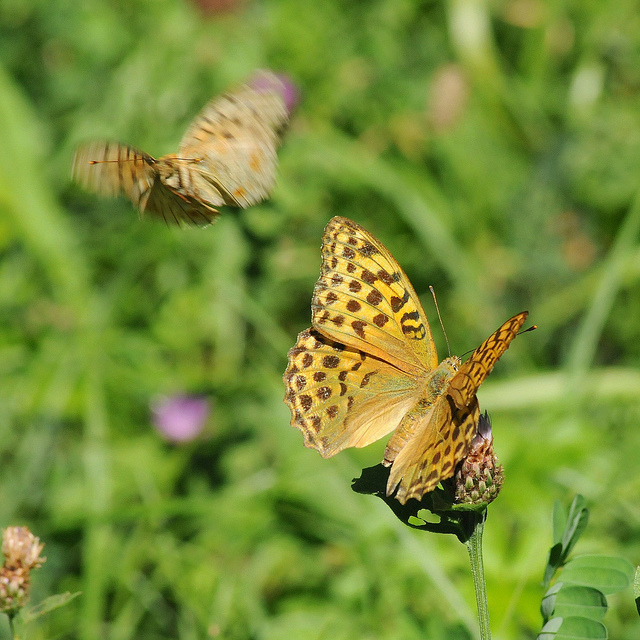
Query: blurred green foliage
494,148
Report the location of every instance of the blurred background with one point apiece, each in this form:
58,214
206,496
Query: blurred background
493,147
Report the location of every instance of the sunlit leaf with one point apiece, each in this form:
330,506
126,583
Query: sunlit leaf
605,573
582,602
548,605
576,523
573,629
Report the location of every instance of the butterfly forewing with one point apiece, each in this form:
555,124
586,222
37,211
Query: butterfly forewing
236,136
111,169
479,365
363,298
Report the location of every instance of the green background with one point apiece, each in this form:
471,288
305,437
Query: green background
493,147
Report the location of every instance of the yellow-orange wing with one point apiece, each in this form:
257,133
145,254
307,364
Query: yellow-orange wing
356,373
236,136
343,397
432,440
364,299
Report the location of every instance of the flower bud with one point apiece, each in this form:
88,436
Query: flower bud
21,551
479,477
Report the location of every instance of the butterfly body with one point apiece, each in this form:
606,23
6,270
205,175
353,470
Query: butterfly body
437,380
226,157
369,366
185,178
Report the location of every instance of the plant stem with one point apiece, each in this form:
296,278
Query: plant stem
474,548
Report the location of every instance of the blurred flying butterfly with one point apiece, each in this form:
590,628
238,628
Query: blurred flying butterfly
368,365
226,157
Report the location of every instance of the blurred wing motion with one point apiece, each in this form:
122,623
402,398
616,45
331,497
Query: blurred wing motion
369,366
227,157
237,135
113,169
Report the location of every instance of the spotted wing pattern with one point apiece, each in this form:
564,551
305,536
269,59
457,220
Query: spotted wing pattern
473,372
364,299
343,397
431,441
227,157
369,366
236,136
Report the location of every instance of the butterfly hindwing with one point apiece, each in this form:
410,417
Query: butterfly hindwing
440,440
175,207
342,397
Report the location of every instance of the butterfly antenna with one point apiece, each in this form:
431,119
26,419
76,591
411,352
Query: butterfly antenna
138,158
533,327
435,300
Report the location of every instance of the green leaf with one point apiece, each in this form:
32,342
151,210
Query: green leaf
636,589
577,601
457,519
559,521
608,574
573,628
567,529
49,604
548,604
554,561
576,524
550,629
564,600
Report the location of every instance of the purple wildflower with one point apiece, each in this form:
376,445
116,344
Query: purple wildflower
180,418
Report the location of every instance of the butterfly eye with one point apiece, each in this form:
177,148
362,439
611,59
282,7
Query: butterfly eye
452,363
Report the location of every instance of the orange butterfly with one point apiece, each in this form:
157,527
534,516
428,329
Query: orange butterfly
369,366
226,157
